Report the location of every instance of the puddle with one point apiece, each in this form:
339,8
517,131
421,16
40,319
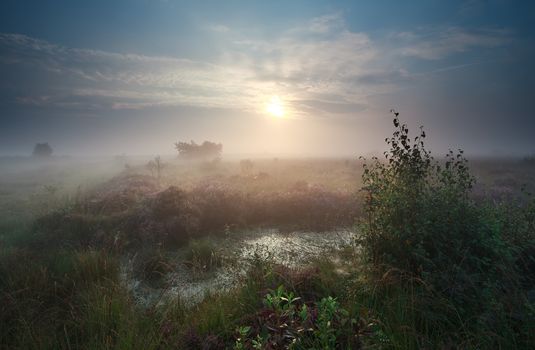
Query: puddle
293,249
290,249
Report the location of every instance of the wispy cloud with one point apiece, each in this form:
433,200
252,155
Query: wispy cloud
219,28
438,44
319,68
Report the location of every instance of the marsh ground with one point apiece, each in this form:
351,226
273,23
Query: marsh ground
189,239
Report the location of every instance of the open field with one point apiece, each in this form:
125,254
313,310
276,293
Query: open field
96,252
207,175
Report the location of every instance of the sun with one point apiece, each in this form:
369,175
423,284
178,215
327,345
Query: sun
275,107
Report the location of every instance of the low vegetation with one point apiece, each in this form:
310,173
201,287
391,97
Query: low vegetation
433,267
174,216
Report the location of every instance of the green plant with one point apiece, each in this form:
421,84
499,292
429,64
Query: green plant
242,331
329,312
280,300
420,217
202,255
289,323
422,224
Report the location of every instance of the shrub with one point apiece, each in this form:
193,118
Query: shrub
219,207
175,215
42,150
420,219
419,215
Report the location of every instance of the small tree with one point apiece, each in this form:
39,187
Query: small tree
422,220
412,200
192,150
155,166
42,150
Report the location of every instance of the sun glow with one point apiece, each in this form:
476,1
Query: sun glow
275,107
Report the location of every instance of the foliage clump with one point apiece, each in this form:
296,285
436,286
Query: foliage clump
174,216
192,150
42,150
286,322
202,255
418,210
421,219
156,166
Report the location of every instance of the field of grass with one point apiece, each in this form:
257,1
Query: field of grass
101,254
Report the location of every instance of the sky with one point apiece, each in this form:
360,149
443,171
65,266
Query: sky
108,77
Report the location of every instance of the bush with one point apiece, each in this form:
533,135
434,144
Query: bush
175,215
218,206
420,219
42,150
419,214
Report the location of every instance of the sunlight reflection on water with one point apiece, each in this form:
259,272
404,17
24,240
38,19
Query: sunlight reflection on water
289,249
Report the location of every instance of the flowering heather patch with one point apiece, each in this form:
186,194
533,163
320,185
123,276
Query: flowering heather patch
134,212
121,193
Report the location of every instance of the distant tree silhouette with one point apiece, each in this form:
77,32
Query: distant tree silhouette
192,150
42,150
155,167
